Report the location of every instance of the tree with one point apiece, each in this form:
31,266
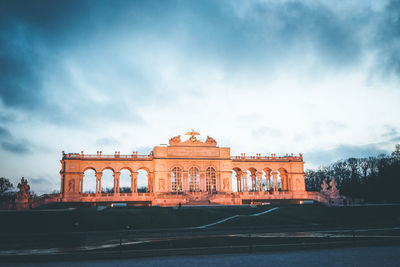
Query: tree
5,185
396,152
376,179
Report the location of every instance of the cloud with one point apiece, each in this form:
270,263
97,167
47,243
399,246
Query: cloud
107,141
75,74
19,148
9,143
4,133
267,132
388,38
323,157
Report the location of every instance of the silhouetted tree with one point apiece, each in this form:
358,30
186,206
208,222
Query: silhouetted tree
5,185
376,179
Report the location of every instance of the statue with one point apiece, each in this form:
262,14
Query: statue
23,193
71,186
211,141
333,191
175,140
162,185
324,187
225,183
192,135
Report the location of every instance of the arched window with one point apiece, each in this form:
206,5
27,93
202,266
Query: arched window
211,179
176,179
194,179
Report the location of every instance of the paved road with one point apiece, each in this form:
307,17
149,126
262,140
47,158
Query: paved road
365,256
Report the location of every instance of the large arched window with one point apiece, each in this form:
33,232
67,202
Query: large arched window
176,179
211,179
194,179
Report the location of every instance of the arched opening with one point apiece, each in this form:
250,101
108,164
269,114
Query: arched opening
211,180
176,179
89,181
107,181
237,180
194,179
125,181
143,181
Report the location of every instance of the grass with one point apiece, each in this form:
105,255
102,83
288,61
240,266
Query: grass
89,219
87,226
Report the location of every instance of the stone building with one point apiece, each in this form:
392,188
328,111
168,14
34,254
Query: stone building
191,172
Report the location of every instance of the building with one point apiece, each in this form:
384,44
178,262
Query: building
191,172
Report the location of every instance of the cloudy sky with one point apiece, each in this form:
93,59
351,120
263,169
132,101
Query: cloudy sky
320,78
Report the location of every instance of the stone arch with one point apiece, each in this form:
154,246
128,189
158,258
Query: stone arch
89,168
126,168
171,166
212,165
108,168
194,164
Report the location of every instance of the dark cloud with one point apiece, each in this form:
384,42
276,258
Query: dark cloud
10,144
19,148
323,157
388,38
4,133
36,35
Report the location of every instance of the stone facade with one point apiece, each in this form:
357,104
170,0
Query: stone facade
188,172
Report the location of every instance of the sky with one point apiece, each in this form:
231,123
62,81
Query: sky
320,78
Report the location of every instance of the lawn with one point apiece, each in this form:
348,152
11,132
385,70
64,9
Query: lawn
90,219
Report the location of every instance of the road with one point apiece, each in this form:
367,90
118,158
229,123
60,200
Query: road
363,256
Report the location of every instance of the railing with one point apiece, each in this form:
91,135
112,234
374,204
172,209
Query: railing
291,157
134,156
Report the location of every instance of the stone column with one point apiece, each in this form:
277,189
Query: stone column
134,182
80,189
238,182
259,178
253,182
275,181
116,182
185,181
289,182
62,184
217,182
203,181
150,178
168,185
268,179
284,181
98,182
244,181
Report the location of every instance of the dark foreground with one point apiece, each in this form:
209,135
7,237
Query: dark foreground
106,234
364,256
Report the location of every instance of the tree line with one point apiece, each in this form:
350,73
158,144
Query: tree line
375,179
